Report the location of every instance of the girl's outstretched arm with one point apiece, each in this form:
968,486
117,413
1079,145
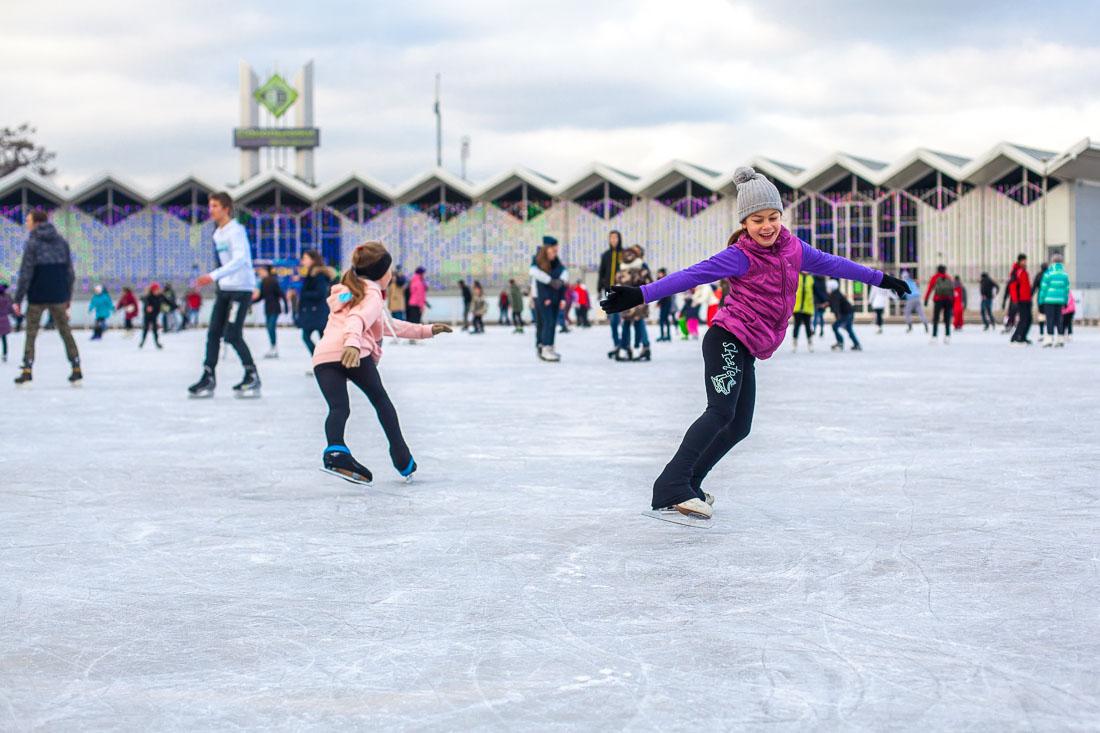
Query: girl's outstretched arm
816,262
730,262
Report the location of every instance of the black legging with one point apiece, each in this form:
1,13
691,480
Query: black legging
1023,324
333,378
150,324
803,320
731,397
219,318
946,307
1053,313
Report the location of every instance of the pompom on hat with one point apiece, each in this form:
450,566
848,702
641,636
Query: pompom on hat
754,193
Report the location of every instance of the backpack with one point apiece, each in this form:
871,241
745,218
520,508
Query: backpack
944,288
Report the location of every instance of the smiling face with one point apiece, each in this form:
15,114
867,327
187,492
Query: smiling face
763,226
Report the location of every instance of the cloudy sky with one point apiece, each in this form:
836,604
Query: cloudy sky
149,90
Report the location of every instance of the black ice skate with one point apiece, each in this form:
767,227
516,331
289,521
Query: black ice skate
249,386
339,462
205,386
24,375
643,355
77,375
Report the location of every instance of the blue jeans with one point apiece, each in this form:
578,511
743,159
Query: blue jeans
846,324
987,313
618,330
641,334
270,320
819,321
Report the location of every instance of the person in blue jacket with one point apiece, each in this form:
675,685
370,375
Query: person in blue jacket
102,306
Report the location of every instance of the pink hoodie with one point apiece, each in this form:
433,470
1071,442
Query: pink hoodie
418,291
361,326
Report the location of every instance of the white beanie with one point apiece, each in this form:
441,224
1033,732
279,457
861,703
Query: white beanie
832,286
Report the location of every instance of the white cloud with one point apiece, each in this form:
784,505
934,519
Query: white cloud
149,90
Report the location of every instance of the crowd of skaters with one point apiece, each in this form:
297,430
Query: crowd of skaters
547,300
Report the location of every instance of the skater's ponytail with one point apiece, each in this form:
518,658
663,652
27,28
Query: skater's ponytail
364,256
735,236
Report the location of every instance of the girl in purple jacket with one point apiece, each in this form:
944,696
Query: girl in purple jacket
761,262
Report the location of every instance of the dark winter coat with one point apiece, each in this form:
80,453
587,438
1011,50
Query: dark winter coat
988,288
609,267
151,305
545,290
467,295
271,293
821,294
312,305
46,273
839,305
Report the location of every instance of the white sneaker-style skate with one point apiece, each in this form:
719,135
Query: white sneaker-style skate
794,346
810,345
1046,342
547,353
694,508
946,340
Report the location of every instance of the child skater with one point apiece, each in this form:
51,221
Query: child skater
152,303
761,262
349,351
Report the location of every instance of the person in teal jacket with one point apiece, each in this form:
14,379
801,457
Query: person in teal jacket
1053,296
102,306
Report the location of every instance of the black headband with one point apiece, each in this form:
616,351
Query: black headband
377,270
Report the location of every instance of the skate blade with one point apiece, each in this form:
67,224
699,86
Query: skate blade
200,395
253,395
674,517
347,478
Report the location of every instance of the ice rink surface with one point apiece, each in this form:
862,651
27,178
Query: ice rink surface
908,540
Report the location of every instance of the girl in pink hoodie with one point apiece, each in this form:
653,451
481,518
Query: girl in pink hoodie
349,351
761,263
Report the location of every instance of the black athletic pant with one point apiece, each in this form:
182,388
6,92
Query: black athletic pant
150,324
1053,312
803,320
731,397
878,317
946,307
517,318
1023,323
413,313
234,334
333,378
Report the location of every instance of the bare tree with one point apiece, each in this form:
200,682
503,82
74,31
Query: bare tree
18,149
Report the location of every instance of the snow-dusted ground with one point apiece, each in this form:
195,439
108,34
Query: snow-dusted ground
908,540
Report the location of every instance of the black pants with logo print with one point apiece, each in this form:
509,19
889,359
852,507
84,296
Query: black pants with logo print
731,397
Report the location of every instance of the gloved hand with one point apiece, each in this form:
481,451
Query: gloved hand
889,282
620,298
350,357
438,328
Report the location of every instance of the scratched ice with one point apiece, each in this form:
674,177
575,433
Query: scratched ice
909,539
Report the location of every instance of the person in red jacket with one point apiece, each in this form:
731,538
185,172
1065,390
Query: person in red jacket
128,306
960,304
1021,288
942,290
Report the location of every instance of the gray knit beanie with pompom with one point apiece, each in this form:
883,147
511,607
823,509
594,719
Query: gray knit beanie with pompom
754,193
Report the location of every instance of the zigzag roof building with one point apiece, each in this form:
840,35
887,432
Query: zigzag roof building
924,208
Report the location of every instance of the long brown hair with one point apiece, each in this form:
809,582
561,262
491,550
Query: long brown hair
735,236
365,255
542,259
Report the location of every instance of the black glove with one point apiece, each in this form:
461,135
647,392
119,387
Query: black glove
620,298
889,282
556,284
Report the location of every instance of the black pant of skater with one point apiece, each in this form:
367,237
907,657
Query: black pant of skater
731,398
802,320
234,335
1023,323
1053,312
150,324
307,338
333,378
946,307
413,313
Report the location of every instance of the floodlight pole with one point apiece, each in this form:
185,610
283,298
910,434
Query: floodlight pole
465,154
438,127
